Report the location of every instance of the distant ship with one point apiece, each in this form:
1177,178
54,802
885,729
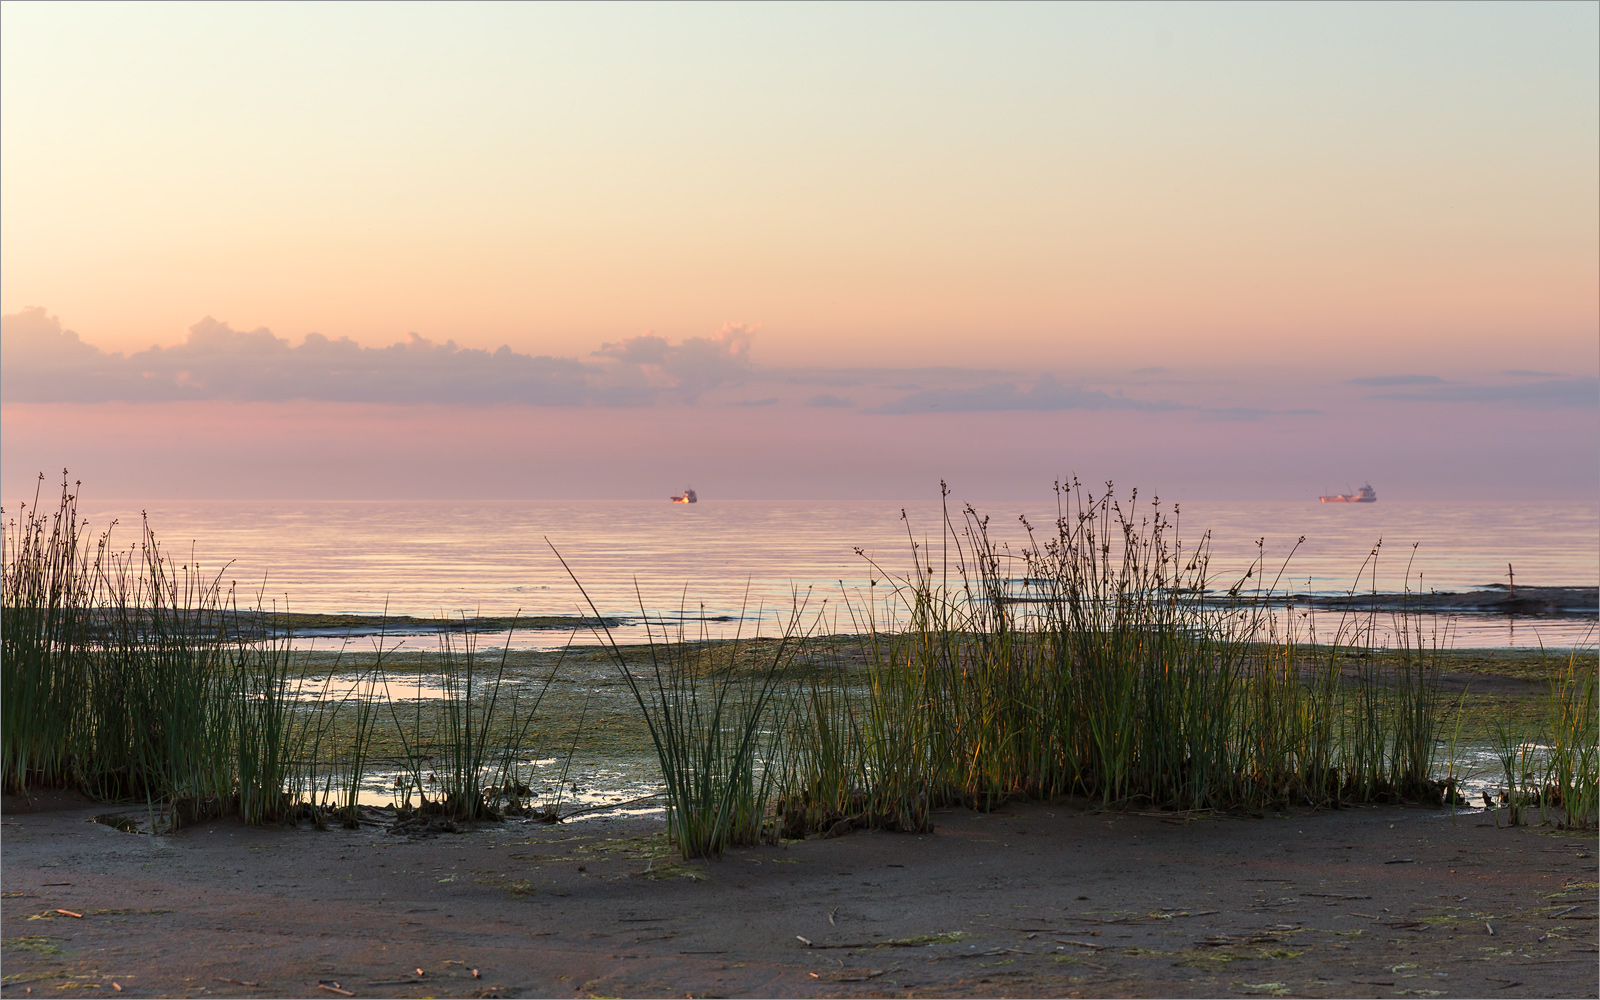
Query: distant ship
687,496
1365,494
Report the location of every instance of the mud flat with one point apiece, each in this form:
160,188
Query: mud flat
1494,599
1052,899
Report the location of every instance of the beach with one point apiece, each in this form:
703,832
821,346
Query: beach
982,804
944,499
1036,899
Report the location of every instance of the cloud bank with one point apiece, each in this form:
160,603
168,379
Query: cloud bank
1550,391
1545,394
1047,394
688,369
1378,380
43,362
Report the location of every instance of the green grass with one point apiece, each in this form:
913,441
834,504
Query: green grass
1085,664
131,675
123,675
710,710
1102,675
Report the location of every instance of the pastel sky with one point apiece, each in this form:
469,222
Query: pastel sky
371,250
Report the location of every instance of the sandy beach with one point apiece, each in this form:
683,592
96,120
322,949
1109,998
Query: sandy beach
1042,899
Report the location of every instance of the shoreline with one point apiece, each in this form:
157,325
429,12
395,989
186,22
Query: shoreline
1492,601
1057,897
1034,899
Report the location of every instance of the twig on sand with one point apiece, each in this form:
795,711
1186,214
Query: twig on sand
335,988
1090,965
1181,816
917,942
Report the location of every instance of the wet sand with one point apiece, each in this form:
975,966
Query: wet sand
1049,899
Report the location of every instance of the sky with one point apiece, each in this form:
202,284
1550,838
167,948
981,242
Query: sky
1222,251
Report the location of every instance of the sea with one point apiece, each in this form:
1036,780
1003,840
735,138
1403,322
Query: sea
719,568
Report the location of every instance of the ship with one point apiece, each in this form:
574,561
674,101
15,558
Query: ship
1365,494
687,496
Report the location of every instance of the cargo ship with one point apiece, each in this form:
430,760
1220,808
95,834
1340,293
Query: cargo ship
1365,494
687,496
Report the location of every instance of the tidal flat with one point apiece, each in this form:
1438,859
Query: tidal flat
1054,897
1118,789
589,729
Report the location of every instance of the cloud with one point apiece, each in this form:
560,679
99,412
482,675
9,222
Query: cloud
1250,413
43,362
1524,371
905,379
1398,380
828,399
217,361
1046,394
1547,394
689,368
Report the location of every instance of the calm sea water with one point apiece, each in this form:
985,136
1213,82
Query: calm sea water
492,557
